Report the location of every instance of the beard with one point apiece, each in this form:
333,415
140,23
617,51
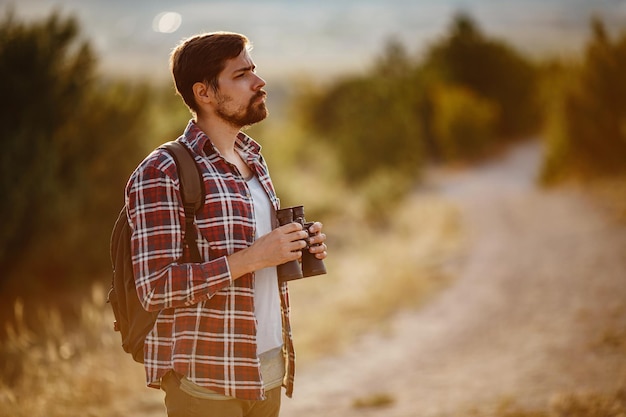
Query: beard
244,115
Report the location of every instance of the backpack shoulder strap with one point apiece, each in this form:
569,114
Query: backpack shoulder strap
189,175
191,188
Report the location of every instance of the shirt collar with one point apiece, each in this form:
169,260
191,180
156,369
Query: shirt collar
201,144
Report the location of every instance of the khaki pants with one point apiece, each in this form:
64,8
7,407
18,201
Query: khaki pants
181,404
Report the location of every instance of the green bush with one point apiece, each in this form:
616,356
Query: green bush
468,91
490,69
371,124
69,142
463,123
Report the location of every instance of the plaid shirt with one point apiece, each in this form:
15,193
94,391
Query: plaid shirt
206,328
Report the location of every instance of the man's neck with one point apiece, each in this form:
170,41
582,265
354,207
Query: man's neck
222,134
223,137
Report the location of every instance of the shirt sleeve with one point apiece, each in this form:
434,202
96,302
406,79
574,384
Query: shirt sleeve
156,215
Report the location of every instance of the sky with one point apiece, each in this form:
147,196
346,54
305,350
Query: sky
317,38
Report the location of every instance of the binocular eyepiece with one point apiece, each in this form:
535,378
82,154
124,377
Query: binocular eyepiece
311,266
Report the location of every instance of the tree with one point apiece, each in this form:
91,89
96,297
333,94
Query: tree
462,124
66,137
492,70
371,121
597,110
586,129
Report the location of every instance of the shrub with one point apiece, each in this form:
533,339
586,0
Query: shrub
491,69
586,124
463,123
69,142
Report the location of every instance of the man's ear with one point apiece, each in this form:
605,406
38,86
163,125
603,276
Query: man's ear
203,93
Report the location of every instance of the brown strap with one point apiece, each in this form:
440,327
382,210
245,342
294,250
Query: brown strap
188,174
191,189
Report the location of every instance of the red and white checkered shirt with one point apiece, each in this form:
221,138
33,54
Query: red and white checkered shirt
206,328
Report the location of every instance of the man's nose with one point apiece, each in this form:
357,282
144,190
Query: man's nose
259,82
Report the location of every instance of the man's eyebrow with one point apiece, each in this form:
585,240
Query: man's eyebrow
245,69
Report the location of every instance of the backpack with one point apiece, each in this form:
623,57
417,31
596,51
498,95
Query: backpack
131,319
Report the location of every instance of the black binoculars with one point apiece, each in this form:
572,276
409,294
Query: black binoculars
311,266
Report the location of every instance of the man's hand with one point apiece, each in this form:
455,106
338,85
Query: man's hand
281,245
316,241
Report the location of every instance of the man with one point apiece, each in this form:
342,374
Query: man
222,343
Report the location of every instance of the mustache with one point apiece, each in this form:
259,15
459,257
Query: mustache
259,94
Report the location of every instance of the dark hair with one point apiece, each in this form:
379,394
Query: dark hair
202,58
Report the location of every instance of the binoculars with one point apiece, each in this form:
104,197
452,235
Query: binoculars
311,266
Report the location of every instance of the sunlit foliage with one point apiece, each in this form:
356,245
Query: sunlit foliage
372,120
463,124
586,130
68,143
466,96
491,69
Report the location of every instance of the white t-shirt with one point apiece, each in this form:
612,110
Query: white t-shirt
266,309
266,293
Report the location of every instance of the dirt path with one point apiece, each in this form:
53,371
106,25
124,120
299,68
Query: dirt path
537,308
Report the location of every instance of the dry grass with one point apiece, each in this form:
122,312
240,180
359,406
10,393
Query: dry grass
373,274
66,371
585,404
378,400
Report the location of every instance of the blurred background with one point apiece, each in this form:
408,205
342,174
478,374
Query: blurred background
369,101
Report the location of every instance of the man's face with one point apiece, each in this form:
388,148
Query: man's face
240,97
